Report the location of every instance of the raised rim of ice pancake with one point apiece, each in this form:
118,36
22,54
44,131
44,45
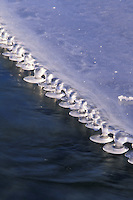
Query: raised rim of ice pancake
33,79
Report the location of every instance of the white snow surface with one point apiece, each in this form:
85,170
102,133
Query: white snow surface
87,44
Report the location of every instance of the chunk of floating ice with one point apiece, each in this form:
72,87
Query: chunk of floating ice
58,93
7,54
93,126
11,40
120,138
27,67
78,113
65,104
90,118
129,155
82,111
101,139
16,58
77,104
37,78
4,36
28,63
55,95
70,98
48,87
112,148
124,98
42,84
48,80
14,50
70,95
130,160
2,30
52,80
84,120
3,43
33,79
29,59
39,72
7,44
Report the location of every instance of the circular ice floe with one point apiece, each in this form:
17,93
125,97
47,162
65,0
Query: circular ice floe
7,44
113,149
91,117
50,83
4,36
18,56
103,137
129,155
13,50
28,67
82,111
65,104
120,138
48,80
75,113
37,78
28,63
93,126
54,95
33,79
58,92
69,99
85,120
48,88
6,41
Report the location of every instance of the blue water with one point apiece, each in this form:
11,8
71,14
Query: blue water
46,154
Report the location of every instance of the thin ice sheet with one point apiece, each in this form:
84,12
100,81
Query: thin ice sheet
87,44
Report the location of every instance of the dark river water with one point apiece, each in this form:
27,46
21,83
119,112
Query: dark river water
46,154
